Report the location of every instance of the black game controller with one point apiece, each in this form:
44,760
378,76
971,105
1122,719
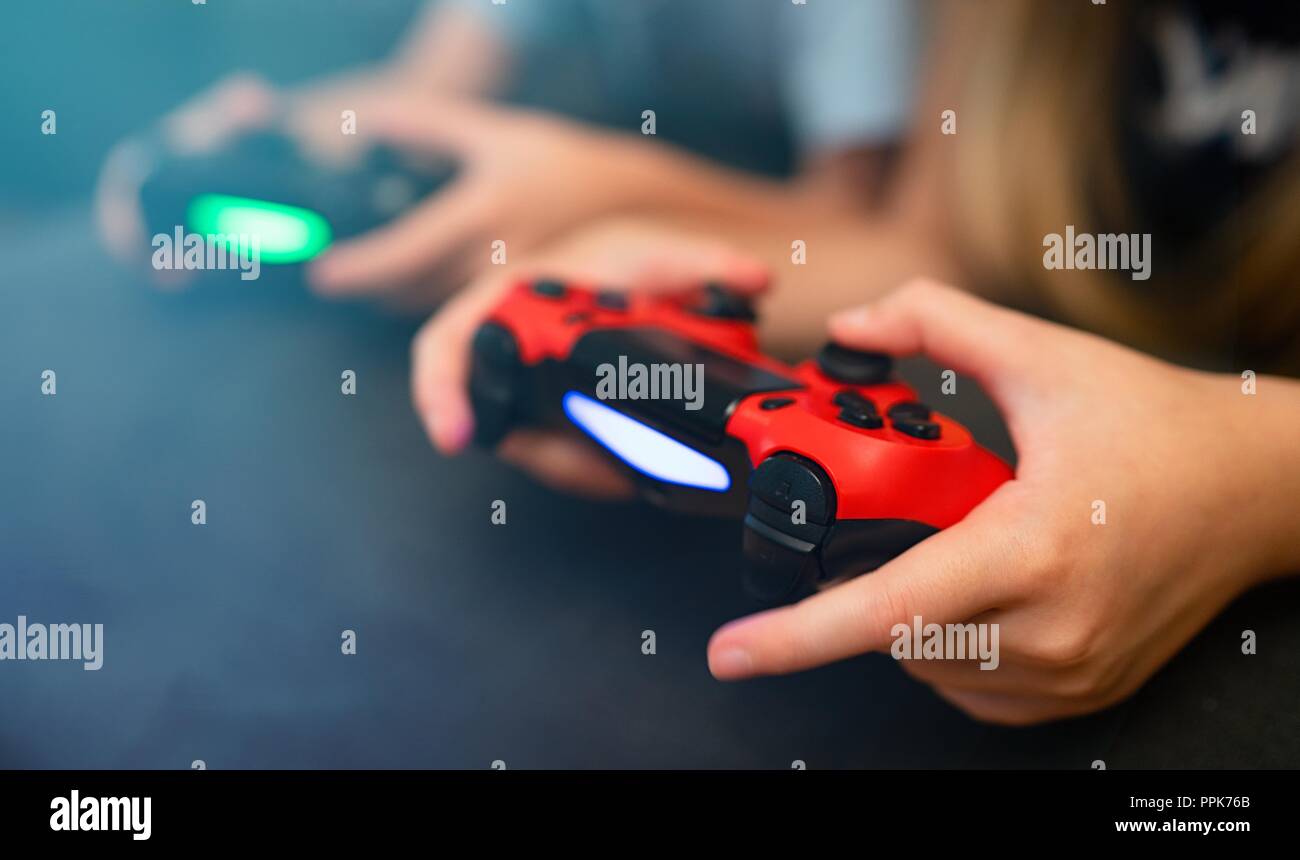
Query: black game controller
261,184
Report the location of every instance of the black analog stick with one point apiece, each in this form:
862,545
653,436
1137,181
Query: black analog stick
854,367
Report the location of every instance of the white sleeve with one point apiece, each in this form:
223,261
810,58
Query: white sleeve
850,74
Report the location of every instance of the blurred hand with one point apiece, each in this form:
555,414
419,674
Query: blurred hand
523,177
200,125
616,255
1192,474
236,104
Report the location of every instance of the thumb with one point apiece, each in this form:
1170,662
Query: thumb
687,266
406,248
950,577
236,103
646,258
954,329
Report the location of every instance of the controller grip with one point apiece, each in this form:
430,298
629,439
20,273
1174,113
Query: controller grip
793,541
496,384
791,508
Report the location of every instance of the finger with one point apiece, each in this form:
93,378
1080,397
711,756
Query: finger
117,201
404,248
638,257
440,362
1003,678
566,462
951,576
440,356
436,125
1077,686
955,329
236,103
1011,710
686,265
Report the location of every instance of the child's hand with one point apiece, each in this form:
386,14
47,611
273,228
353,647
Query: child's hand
1198,482
239,103
616,255
522,178
200,125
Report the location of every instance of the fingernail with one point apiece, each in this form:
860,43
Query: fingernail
731,664
450,432
460,432
852,318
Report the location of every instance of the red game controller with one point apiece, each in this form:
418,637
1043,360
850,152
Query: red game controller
833,464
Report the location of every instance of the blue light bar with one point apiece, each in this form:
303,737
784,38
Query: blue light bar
644,448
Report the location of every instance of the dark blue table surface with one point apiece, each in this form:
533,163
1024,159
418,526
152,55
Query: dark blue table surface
475,642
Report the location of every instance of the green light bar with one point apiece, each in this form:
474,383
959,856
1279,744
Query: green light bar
287,234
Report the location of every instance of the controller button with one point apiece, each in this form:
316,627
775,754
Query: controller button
861,418
775,403
850,399
611,300
550,289
917,428
783,479
853,366
721,303
909,409
577,317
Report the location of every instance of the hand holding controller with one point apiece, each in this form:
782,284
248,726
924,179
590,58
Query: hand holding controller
833,465
261,184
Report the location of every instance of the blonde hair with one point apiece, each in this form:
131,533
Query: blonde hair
1039,149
